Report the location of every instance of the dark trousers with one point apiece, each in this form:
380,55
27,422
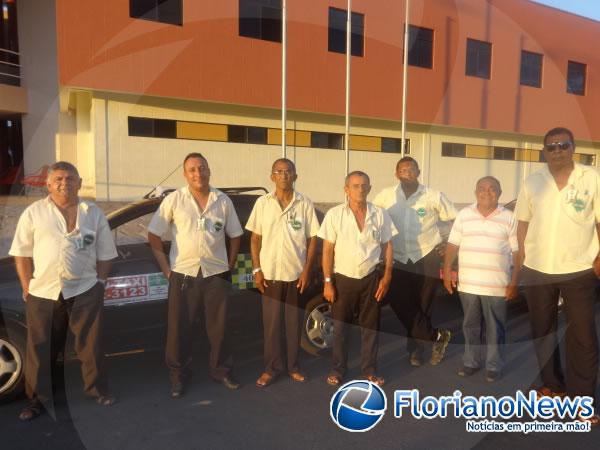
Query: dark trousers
411,295
280,308
577,289
48,322
355,298
186,296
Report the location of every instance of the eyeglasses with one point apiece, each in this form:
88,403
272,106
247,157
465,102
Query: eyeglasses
283,172
558,145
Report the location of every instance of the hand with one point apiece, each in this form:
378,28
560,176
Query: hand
303,281
596,266
512,291
167,273
449,283
259,280
329,292
383,287
25,294
441,249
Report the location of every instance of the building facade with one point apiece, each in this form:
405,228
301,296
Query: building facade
125,89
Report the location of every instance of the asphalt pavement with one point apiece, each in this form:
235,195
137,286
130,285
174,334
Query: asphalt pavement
285,415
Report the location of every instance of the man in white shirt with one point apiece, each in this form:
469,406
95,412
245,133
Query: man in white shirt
558,213
62,248
356,235
283,243
198,217
484,236
416,210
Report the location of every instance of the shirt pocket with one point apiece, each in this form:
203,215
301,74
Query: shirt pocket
577,205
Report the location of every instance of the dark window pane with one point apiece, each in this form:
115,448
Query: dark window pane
145,9
260,19
531,69
165,11
337,32
139,126
257,135
390,145
165,128
505,153
479,58
454,150
336,141
420,47
236,133
576,78
319,140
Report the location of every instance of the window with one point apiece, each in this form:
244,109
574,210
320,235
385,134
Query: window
249,135
159,128
588,160
576,78
479,58
455,150
337,32
165,11
393,145
326,140
505,153
260,19
420,47
531,69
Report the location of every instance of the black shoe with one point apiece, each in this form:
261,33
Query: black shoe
176,390
492,375
439,347
416,358
466,371
230,383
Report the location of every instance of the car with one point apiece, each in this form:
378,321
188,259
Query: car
135,297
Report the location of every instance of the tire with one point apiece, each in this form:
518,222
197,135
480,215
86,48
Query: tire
12,363
317,327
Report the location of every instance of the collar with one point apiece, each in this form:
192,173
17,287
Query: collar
420,189
296,196
370,209
81,204
495,212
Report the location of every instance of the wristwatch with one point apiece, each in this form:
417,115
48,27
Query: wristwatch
255,271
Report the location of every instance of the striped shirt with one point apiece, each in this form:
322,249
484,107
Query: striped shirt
485,250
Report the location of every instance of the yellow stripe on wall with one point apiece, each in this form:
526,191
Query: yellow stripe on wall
201,131
293,138
479,151
368,143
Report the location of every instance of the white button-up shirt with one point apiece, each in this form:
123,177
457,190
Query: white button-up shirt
356,253
416,219
198,236
561,237
284,234
63,262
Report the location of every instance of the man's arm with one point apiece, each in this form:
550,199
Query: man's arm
328,253
512,290
156,244
103,269
24,265
451,252
384,283
522,228
304,280
596,264
234,248
259,276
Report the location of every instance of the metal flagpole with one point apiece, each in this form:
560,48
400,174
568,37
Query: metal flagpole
283,78
348,57
405,77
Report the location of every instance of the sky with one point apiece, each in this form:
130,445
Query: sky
587,8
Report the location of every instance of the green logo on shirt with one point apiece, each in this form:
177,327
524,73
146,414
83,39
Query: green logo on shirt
296,224
218,226
578,205
421,212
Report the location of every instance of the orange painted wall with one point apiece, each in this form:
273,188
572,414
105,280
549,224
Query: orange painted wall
102,48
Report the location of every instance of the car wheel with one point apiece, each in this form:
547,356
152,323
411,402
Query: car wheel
12,363
317,332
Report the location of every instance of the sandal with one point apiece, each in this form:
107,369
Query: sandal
379,381
334,380
31,411
105,400
298,377
264,380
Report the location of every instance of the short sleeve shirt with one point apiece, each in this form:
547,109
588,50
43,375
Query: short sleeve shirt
562,236
284,234
357,253
64,262
198,236
486,244
416,219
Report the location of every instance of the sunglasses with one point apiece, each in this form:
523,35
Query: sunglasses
558,145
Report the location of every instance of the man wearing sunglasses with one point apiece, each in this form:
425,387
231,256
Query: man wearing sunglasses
558,210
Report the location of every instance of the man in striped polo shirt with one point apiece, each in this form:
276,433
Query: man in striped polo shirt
485,237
